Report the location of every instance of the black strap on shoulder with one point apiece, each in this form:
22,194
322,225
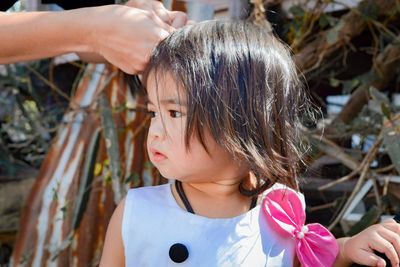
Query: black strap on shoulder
183,197
253,202
185,200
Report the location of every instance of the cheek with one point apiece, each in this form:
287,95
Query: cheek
178,149
176,132
147,143
197,152
216,153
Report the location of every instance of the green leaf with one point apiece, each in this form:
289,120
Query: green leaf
106,163
134,179
88,174
64,211
377,98
107,178
378,95
98,168
326,20
297,11
148,165
349,85
369,10
332,36
369,218
323,21
391,141
55,194
367,78
386,110
112,146
334,82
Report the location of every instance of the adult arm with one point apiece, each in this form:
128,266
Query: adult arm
33,35
122,35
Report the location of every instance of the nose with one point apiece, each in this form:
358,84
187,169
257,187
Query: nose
156,129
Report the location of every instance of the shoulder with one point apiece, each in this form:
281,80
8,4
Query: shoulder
143,197
116,219
149,189
138,203
148,193
113,252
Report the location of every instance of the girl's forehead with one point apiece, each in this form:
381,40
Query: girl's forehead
162,85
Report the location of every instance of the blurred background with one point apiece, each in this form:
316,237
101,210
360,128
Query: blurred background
72,134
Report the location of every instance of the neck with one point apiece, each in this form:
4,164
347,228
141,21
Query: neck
218,199
220,189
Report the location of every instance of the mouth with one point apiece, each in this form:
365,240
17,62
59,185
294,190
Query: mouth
156,155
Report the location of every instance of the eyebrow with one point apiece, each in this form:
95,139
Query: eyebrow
167,101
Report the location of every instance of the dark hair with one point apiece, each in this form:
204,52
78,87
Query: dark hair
241,85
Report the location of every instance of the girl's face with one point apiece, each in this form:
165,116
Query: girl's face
166,139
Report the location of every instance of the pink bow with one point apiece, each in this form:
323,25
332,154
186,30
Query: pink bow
315,245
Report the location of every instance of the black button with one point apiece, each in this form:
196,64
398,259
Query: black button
178,253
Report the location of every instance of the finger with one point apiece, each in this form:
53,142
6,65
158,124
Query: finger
392,225
384,246
162,34
178,19
161,12
146,5
160,22
368,258
190,22
126,67
392,237
130,68
131,3
141,4
151,6
131,63
155,11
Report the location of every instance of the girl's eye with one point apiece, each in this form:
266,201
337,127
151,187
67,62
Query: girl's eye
152,114
175,114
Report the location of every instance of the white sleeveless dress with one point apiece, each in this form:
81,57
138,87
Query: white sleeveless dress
153,222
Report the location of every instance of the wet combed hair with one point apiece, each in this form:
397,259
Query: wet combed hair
241,85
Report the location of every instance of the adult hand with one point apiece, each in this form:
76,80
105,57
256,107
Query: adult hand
176,19
125,35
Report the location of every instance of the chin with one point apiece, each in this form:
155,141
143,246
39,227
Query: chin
167,174
175,176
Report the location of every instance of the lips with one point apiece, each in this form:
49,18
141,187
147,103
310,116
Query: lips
156,155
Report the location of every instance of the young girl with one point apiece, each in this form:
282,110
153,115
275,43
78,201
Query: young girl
225,103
